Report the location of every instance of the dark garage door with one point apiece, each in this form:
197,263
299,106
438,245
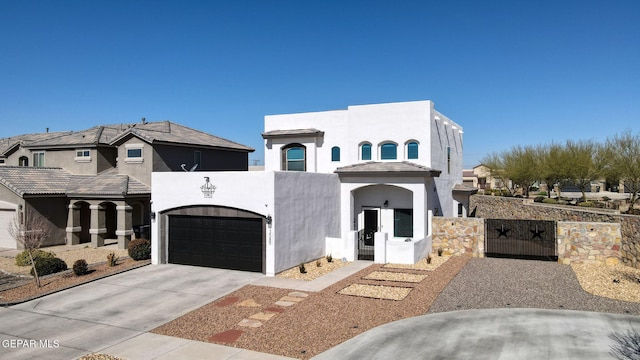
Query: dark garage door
220,242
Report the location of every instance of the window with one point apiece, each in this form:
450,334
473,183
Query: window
412,150
403,222
448,159
83,155
38,159
294,158
134,153
197,158
335,153
365,152
23,161
1,161
388,151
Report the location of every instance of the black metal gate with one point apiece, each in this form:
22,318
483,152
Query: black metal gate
521,239
365,244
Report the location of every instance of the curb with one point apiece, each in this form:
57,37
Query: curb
136,266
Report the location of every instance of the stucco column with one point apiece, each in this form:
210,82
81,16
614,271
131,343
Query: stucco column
98,227
73,225
124,230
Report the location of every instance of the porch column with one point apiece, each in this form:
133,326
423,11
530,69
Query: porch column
124,230
73,225
98,228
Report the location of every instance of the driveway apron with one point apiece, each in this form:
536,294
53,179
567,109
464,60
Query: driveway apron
106,312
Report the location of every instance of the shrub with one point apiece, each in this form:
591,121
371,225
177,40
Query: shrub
49,265
139,249
318,263
112,259
549,201
329,258
429,259
586,204
439,251
22,259
80,267
539,199
302,269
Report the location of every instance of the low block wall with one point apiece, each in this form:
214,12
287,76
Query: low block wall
588,242
458,236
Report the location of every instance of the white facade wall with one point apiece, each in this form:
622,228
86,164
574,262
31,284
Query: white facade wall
446,134
304,208
348,129
307,211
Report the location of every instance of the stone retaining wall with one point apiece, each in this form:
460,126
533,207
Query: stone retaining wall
496,207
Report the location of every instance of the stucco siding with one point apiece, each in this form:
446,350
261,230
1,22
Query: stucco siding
307,212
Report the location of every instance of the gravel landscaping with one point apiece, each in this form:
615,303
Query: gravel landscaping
509,283
318,322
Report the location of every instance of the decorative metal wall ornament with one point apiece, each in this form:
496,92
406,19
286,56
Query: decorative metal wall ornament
208,188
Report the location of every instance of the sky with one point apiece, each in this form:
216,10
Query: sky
509,72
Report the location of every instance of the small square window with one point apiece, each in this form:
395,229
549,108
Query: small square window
134,153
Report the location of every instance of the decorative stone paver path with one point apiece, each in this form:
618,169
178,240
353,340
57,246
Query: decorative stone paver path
257,319
391,284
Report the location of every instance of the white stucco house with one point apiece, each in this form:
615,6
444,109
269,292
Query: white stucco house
360,183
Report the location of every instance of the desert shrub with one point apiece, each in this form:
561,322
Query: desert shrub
302,269
539,199
49,265
439,251
80,267
139,249
586,204
22,259
329,258
112,259
606,198
428,259
549,201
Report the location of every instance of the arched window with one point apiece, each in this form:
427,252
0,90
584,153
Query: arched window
294,158
335,153
412,150
23,161
365,151
388,151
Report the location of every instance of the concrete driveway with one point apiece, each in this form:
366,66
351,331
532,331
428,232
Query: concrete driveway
490,334
104,313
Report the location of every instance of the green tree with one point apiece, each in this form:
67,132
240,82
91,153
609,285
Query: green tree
583,158
522,166
554,167
622,161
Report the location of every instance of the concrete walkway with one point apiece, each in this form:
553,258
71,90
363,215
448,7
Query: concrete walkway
490,334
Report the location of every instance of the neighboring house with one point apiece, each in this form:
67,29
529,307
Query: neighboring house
363,182
488,181
95,184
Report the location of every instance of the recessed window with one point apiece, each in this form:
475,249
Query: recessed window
83,155
365,152
412,150
335,153
134,153
1,161
23,161
388,151
403,222
294,158
38,159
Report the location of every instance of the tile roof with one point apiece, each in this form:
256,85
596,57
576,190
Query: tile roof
465,188
56,181
291,133
404,168
162,131
171,133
